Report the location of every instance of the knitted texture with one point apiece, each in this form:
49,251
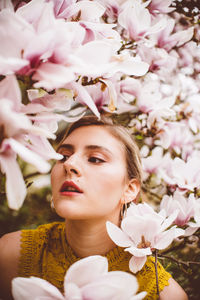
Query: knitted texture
45,253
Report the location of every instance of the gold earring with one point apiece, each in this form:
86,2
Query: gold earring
123,210
52,204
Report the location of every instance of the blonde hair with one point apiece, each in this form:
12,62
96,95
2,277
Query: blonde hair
134,168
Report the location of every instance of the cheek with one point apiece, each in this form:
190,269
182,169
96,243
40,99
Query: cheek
53,171
55,175
110,181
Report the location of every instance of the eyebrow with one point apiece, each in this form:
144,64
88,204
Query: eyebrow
88,147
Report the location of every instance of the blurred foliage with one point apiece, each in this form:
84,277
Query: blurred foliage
186,274
35,211
189,8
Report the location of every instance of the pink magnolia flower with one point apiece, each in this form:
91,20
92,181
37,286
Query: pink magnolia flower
41,42
192,111
87,278
160,6
167,40
187,208
14,39
158,58
176,136
184,205
142,231
98,31
153,162
113,8
6,4
184,174
137,20
82,96
62,7
151,101
19,135
69,9
194,225
90,11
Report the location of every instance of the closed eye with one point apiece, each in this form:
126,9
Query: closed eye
96,160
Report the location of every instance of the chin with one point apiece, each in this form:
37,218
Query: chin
68,210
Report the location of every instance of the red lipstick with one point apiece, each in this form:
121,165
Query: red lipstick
69,188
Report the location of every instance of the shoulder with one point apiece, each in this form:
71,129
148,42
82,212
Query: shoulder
10,248
173,291
9,259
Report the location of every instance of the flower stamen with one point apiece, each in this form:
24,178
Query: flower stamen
143,243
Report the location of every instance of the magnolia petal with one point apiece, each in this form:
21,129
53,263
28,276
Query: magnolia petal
33,288
86,270
131,66
137,263
190,230
51,76
114,285
139,296
72,291
49,117
91,53
38,130
9,65
117,235
31,11
60,101
165,238
183,36
139,252
15,186
83,96
138,226
9,89
41,146
29,156
168,221
90,11
6,4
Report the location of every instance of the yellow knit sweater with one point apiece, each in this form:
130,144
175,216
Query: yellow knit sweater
45,253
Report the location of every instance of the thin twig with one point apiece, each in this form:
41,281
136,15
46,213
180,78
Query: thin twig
175,248
186,263
156,269
31,175
152,193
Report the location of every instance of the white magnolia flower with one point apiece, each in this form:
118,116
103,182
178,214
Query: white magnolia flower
142,231
87,278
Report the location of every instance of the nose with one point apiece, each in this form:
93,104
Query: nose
72,166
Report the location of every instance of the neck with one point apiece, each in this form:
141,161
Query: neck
89,237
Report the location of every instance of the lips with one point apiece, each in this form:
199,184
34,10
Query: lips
69,187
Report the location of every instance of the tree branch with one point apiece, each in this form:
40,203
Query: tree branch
186,263
156,269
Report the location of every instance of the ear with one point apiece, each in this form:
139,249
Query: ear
131,191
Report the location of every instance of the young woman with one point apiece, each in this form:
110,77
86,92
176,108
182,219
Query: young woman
100,173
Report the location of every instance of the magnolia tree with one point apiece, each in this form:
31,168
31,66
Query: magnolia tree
138,62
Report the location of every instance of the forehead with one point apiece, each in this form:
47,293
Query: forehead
95,135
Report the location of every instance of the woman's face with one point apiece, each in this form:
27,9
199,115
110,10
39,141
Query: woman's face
90,181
